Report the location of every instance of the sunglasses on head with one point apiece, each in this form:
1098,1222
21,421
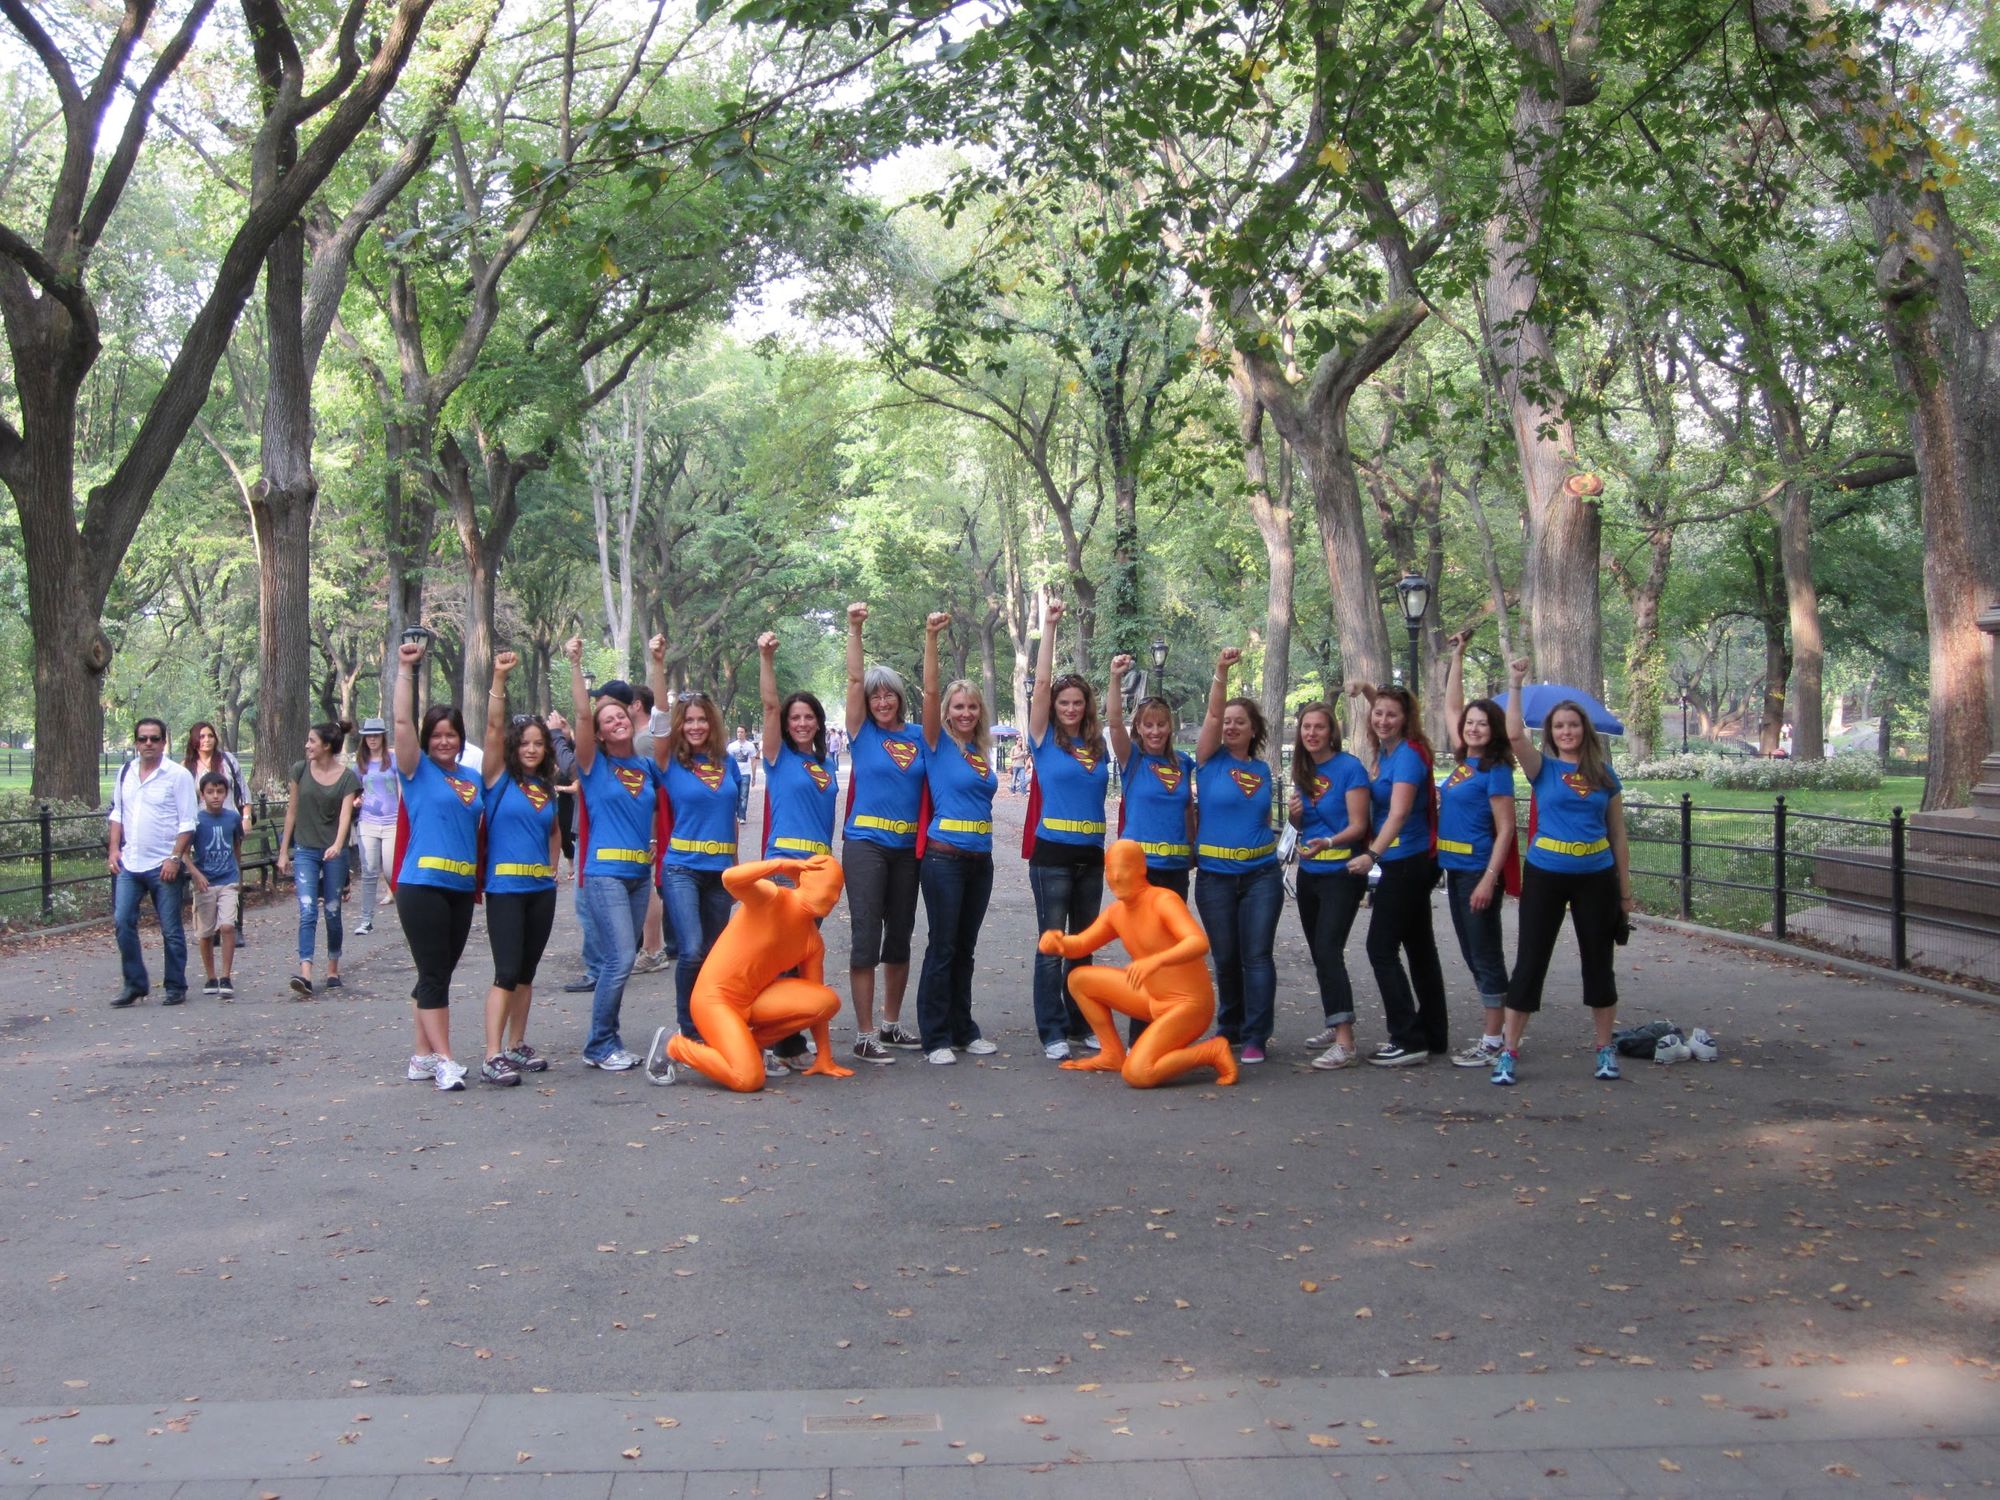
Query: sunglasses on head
687,697
520,719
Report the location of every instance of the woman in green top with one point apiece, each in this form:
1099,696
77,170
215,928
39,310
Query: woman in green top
313,847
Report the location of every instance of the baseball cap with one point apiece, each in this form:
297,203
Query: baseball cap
617,688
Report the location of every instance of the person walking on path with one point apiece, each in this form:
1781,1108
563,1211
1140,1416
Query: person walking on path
1578,862
437,869
616,798
1476,847
523,848
801,794
956,871
1329,808
375,765
205,754
1403,807
319,819
1238,886
151,823
885,794
1064,838
215,866
743,750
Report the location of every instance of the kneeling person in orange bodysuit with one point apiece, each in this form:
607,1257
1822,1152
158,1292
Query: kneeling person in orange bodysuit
740,1005
1166,985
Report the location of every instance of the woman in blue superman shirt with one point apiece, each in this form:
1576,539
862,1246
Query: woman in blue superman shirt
1577,862
1476,846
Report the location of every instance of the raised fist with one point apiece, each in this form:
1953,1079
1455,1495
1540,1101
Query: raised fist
1517,670
767,643
857,615
505,662
1228,657
656,649
1121,664
937,620
573,649
410,653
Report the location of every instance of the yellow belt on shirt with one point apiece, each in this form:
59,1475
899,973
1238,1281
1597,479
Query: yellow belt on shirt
1572,847
1073,825
534,872
626,856
449,866
882,825
1220,851
963,825
1328,856
701,846
802,846
1164,851
1453,846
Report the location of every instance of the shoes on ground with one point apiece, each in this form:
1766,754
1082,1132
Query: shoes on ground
1252,1053
1503,1069
980,1047
174,997
127,997
212,987
527,1059
423,1065
580,986
1322,1038
1671,1049
944,1057
868,1047
1477,1053
1335,1057
226,987
302,987
500,1069
899,1036
1389,1055
650,963
450,1076
1702,1044
1607,1063
1056,1052
363,927
617,1060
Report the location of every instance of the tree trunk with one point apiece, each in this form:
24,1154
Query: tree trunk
1645,661
1272,511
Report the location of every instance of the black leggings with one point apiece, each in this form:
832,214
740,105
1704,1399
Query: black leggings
436,923
1591,899
1399,924
518,924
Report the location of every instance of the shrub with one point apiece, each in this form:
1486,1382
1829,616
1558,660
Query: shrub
1847,772
20,829
1676,768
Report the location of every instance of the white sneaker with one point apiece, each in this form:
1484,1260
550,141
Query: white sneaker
773,1064
1322,1038
363,927
1671,1049
944,1057
619,1061
450,1076
660,1068
1092,1044
980,1047
1475,1054
423,1065
1334,1057
1056,1052
1702,1045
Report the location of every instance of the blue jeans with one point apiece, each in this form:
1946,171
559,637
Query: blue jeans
956,893
583,920
1479,937
132,887
1067,898
697,909
617,914
318,878
743,798
1240,914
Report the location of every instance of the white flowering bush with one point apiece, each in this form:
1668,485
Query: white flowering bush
1847,772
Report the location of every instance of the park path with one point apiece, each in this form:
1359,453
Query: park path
238,1225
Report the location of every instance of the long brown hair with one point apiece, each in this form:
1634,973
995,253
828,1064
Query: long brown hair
1413,724
677,745
191,761
1498,752
1592,764
1088,731
1302,758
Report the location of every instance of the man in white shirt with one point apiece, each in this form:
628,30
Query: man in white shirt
152,820
745,752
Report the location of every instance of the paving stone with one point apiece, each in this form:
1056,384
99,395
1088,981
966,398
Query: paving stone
432,1486
1790,1466
1550,1472
1266,1478
756,1484
873,1484
1696,1471
355,1487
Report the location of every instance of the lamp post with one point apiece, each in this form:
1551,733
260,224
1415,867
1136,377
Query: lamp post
1414,595
1160,667
1684,721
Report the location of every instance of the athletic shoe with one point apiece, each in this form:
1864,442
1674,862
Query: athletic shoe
212,988
363,927
1503,1069
1056,1052
1252,1053
527,1059
1671,1049
618,1060
980,1047
899,1036
1323,1038
1092,1044
450,1076
580,986
1702,1044
226,987
1334,1058
127,997
1476,1054
1389,1055
659,1067
500,1069
302,987
650,963
800,1063
423,1065
868,1047
1607,1063
333,982
944,1057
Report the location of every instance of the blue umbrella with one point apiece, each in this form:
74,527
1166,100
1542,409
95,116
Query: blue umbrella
1543,696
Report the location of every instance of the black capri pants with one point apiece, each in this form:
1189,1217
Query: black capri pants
436,923
1591,899
881,901
518,924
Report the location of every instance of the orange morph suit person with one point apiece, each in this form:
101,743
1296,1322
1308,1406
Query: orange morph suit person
740,1005
1166,985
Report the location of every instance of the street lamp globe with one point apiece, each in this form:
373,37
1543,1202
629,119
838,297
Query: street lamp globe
1414,595
1160,655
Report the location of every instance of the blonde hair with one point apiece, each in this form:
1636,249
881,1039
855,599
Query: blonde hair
982,732
1591,762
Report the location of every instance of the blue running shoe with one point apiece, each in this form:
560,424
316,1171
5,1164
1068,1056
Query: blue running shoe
1503,1069
1607,1063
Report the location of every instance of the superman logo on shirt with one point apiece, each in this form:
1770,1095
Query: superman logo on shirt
1084,755
710,773
1170,776
536,793
902,752
821,777
1248,782
1314,785
630,777
1575,781
467,790
1458,774
975,760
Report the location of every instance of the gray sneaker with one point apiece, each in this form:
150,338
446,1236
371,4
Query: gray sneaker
899,1036
1475,1054
869,1049
1323,1038
500,1069
616,1061
651,963
527,1059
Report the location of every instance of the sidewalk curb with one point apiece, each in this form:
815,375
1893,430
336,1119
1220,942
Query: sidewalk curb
1855,968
